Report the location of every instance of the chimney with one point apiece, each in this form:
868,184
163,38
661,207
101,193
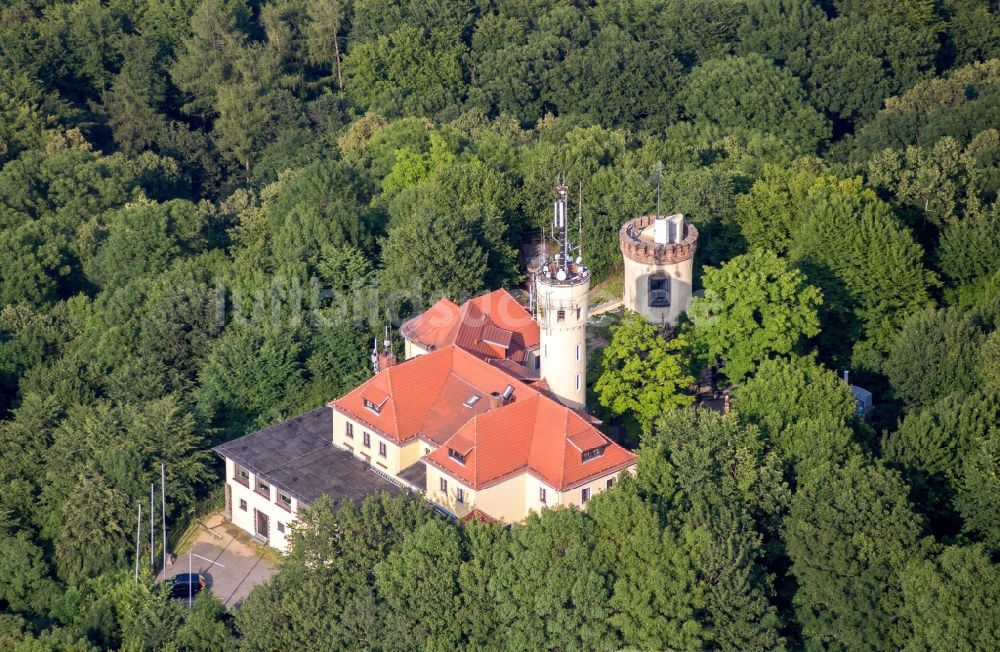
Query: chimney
386,358
661,231
496,400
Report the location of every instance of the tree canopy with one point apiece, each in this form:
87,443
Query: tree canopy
209,208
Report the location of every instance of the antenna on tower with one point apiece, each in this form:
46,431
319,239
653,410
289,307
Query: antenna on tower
579,244
559,222
531,295
659,174
375,356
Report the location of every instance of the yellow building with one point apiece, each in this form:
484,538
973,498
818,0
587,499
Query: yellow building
484,417
472,437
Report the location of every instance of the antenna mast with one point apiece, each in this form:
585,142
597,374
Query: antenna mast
560,225
659,174
579,208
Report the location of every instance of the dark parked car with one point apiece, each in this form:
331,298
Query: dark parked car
186,584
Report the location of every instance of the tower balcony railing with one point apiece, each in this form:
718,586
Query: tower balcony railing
574,274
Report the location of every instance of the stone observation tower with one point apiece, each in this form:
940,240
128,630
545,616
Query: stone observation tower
659,261
561,292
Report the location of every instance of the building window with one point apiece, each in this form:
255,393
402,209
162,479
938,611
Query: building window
578,382
285,500
263,488
659,291
243,504
538,363
367,440
444,485
461,495
611,482
578,355
381,448
455,455
591,453
585,495
281,527
560,315
371,406
578,314
349,431
242,476
541,495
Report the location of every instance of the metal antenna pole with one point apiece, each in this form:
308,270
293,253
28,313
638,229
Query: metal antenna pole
163,509
190,583
579,208
138,534
152,530
659,174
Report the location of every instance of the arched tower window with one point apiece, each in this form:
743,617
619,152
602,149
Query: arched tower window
659,291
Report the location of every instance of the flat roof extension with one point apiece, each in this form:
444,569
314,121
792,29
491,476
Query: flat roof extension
299,458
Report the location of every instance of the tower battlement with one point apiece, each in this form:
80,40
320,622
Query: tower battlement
639,244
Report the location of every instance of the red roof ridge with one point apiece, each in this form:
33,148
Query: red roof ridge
395,412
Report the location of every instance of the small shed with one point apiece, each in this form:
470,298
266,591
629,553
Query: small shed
863,400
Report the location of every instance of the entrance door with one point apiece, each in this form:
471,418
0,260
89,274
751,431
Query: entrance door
262,529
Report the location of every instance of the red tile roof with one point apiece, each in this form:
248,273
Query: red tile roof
477,515
427,395
493,326
532,433
536,435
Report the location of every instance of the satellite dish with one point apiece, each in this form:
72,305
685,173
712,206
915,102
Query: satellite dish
561,275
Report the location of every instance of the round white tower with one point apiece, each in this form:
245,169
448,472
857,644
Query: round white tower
562,299
659,264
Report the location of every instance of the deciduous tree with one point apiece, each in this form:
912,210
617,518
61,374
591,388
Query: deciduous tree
644,373
755,306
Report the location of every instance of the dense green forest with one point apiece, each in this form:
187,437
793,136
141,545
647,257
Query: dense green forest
208,207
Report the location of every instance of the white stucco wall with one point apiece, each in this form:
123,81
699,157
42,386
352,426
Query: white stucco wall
564,342
244,519
636,290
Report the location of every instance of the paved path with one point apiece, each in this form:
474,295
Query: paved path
601,308
236,566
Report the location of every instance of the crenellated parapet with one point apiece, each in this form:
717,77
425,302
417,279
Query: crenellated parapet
640,247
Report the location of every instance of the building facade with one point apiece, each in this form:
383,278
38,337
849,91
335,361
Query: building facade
484,417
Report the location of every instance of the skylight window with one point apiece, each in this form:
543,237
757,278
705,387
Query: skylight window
455,455
591,453
371,406
472,400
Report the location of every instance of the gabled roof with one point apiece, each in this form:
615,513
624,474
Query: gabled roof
536,435
531,433
493,326
427,395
